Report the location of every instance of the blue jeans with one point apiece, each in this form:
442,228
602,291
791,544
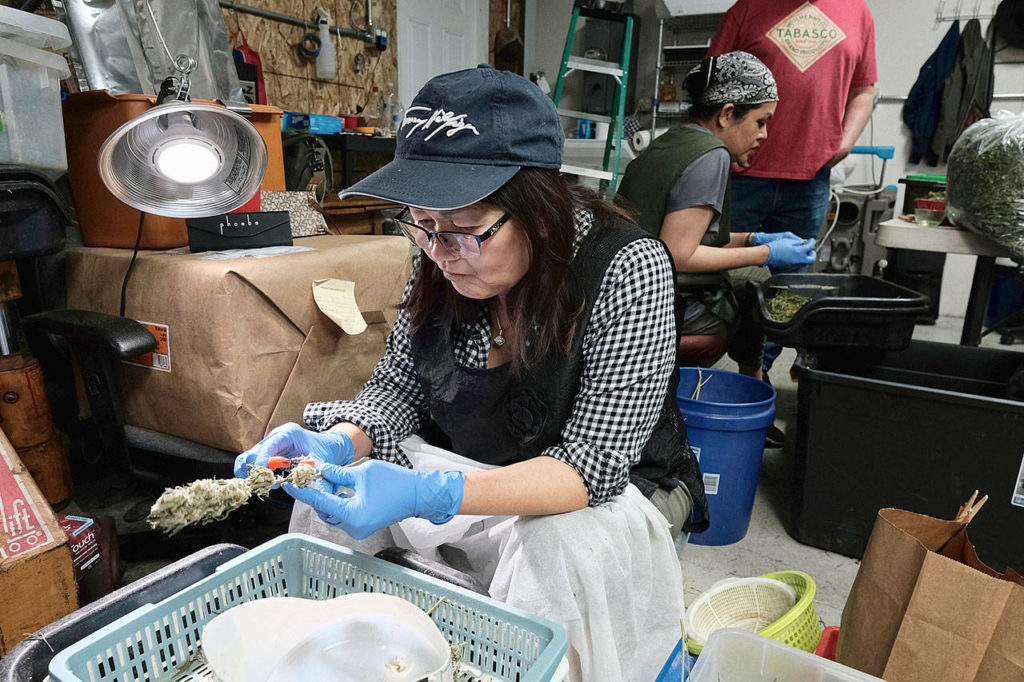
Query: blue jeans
777,205
771,205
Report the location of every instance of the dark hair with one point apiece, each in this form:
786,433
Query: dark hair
696,83
542,306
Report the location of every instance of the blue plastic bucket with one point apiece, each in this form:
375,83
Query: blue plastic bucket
726,425
677,667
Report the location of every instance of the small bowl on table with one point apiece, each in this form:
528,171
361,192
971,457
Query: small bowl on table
929,212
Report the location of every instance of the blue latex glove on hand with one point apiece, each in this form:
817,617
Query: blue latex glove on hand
761,238
291,440
790,251
384,494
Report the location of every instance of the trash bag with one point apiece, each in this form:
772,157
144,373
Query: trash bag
985,181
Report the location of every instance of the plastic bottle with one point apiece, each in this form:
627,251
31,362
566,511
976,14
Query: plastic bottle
325,62
396,112
375,109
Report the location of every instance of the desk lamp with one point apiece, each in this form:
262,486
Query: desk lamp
183,160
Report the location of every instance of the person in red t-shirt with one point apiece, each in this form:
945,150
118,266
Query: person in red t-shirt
822,53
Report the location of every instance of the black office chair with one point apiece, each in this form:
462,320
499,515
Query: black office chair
140,461
36,226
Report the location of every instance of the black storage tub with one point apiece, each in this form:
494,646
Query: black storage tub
845,311
918,430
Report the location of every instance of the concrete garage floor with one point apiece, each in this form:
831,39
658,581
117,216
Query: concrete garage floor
767,546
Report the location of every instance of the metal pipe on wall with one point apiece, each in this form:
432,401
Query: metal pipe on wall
366,36
369,17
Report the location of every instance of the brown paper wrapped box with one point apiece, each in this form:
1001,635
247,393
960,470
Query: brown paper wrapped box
924,607
37,577
246,346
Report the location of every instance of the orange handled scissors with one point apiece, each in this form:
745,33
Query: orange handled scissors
278,462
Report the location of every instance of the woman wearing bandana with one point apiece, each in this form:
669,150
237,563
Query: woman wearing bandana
680,186
524,415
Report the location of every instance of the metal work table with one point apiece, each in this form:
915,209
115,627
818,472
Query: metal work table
899,234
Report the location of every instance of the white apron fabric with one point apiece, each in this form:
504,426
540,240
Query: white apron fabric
608,574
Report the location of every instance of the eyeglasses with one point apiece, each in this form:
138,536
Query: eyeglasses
455,243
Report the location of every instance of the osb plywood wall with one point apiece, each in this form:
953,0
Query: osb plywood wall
291,80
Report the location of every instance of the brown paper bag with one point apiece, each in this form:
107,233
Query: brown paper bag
924,607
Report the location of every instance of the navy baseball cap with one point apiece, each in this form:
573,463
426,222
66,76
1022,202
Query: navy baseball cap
464,136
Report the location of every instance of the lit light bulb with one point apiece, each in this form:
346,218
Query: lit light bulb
187,161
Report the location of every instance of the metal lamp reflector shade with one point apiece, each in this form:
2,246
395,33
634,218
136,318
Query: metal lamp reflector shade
184,160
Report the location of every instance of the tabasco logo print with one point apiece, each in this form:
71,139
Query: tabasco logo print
806,35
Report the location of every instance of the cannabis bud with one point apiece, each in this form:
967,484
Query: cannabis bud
212,499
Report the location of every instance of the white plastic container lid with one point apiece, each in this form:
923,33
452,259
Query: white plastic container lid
48,60
33,30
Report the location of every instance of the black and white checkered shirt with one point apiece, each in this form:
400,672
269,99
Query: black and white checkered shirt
628,356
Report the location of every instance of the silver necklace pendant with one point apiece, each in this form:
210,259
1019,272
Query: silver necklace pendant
499,340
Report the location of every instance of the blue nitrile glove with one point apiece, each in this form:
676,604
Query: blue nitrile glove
384,494
291,440
760,238
789,252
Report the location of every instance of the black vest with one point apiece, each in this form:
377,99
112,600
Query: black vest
495,418
649,178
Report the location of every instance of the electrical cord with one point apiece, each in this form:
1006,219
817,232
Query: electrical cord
310,45
369,89
131,264
832,195
863,192
160,35
871,141
351,20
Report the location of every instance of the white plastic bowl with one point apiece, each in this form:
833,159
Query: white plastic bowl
361,636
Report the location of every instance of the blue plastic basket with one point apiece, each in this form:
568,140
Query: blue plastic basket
160,641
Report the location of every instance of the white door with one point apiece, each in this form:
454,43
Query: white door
438,36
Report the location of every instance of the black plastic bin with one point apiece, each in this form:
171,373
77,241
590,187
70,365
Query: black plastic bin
918,430
845,311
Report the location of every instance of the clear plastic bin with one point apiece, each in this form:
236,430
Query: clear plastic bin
732,654
31,126
33,30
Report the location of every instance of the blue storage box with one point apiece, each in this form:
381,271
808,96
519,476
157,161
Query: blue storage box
325,125
291,120
161,641
312,123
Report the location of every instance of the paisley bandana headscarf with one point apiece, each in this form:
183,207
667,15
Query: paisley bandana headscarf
736,77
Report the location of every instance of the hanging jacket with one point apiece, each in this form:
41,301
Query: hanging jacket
968,90
924,102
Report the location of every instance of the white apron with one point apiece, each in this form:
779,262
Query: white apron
608,574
